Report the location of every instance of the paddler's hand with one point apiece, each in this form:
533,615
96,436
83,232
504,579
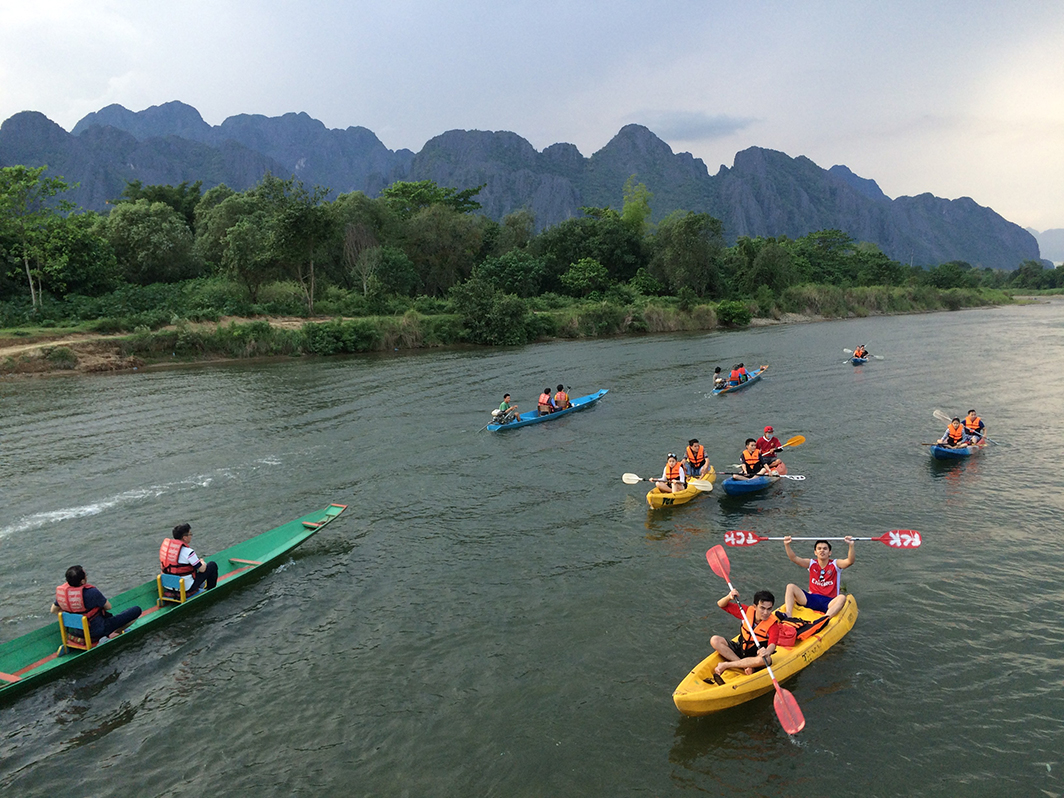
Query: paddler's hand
734,594
786,540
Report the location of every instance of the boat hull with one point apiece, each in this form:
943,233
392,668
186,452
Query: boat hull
741,487
533,416
658,500
858,361
755,376
960,453
696,697
34,658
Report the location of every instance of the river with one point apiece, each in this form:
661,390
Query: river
498,614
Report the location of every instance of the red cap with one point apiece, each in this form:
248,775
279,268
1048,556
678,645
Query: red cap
768,429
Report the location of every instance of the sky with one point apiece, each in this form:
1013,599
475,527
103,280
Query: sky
952,98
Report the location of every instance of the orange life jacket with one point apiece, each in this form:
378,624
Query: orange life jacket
760,629
752,459
860,352
672,473
955,435
72,599
169,551
544,399
734,376
972,426
561,399
696,455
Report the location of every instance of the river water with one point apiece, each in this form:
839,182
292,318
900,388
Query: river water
498,614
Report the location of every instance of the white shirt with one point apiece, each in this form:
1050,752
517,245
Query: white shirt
188,557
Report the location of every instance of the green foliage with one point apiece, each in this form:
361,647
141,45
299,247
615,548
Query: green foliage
585,276
645,284
61,357
601,235
406,199
489,315
336,336
442,243
636,208
183,198
151,242
515,272
687,252
733,314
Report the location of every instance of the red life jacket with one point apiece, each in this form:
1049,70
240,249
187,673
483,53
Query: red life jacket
734,376
561,400
761,629
696,455
72,599
169,551
672,473
544,399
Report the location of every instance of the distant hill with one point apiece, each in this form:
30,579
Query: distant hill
1051,243
764,193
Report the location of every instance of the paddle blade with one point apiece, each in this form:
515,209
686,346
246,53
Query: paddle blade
630,479
788,711
703,485
740,537
942,416
797,440
901,539
718,561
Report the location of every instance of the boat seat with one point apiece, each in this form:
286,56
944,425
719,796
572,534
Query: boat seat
171,589
74,631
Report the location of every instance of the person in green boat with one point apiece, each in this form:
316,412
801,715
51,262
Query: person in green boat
77,596
176,556
507,410
748,653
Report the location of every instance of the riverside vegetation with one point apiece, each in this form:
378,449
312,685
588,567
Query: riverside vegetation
417,266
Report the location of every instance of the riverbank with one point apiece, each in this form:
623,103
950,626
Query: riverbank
55,351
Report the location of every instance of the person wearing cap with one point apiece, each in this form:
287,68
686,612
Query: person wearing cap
768,444
176,556
672,479
695,462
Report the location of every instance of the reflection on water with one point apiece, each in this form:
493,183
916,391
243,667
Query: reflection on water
503,611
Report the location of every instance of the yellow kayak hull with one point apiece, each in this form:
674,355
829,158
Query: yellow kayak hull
696,696
656,499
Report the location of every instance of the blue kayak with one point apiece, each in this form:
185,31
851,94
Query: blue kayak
740,487
959,453
533,416
858,361
754,377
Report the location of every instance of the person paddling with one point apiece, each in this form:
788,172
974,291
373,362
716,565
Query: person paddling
955,436
753,462
672,479
695,462
974,426
768,446
748,653
860,351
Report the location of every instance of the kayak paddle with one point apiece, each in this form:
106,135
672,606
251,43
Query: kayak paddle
896,538
787,709
698,484
795,477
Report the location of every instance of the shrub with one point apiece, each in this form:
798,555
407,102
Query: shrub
733,314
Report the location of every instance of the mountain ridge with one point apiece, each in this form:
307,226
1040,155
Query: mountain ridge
764,193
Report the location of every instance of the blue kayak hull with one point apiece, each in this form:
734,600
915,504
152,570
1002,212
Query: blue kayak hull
858,361
740,487
533,416
946,453
754,377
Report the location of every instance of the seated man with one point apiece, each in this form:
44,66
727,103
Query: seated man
974,426
768,446
752,461
825,579
507,410
545,403
696,464
561,399
955,435
743,374
672,478
860,351
77,596
177,557
748,653
718,380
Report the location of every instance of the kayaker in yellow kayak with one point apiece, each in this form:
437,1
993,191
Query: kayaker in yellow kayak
672,479
748,654
825,579
695,463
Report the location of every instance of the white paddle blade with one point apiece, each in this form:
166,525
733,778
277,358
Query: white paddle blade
631,479
701,484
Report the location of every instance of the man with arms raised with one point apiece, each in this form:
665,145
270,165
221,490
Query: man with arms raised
825,579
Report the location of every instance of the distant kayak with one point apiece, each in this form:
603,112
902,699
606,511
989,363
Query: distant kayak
858,361
940,452
533,416
754,377
657,499
699,694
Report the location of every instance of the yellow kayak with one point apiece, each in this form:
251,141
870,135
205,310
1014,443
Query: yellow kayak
698,694
656,499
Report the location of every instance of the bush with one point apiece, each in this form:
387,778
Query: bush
336,336
733,314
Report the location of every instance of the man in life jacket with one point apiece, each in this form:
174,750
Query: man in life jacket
743,375
752,461
768,446
974,426
176,556
561,399
748,654
695,463
545,403
860,351
76,595
736,376
507,410
955,435
825,579
672,479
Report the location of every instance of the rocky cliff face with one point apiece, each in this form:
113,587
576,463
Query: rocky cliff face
764,193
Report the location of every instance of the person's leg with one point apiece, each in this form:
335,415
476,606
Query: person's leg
836,605
119,622
795,595
209,576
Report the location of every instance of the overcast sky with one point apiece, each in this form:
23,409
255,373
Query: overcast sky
953,98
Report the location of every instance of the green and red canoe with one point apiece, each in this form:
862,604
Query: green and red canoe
37,656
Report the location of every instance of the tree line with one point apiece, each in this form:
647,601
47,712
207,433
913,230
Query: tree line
419,240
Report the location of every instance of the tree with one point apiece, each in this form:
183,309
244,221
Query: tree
516,231
183,198
27,212
443,244
601,235
636,209
152,243
79,259
246,252
408,198
515,272
585,276
687,252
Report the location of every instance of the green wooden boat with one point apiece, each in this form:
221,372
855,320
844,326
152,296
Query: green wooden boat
37,656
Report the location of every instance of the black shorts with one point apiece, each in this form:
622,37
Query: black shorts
742,649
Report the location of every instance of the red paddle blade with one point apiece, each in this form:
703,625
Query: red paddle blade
788,712
901,539
739,537
718,561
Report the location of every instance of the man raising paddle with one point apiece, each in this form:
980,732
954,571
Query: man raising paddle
825,579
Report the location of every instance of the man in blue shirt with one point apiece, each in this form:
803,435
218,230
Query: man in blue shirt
77,596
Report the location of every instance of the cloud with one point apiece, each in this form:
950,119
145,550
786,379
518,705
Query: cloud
692,125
